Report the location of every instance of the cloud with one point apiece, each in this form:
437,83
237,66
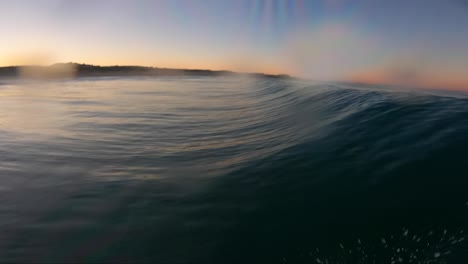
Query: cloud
331,51
342,52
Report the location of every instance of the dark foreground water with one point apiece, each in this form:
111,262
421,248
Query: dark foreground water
219,170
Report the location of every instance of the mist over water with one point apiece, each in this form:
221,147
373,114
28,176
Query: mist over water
228,170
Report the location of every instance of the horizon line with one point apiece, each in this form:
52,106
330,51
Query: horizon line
402,85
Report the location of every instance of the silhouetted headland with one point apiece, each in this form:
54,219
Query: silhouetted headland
74,70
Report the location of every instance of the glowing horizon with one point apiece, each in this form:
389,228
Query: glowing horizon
369,41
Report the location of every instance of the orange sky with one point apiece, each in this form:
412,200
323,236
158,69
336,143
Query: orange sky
442,80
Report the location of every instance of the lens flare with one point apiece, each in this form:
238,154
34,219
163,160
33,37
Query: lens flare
271,16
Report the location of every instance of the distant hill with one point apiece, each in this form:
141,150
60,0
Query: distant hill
74,70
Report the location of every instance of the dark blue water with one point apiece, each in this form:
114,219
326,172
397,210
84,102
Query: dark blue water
224,170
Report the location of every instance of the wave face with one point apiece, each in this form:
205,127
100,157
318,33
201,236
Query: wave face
225,170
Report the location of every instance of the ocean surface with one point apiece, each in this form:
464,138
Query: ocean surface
231,170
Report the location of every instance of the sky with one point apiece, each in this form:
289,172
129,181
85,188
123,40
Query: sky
417,42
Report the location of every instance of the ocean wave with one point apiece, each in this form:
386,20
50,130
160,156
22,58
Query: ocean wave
226,170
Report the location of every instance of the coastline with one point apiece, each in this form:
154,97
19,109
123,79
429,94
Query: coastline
75,70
